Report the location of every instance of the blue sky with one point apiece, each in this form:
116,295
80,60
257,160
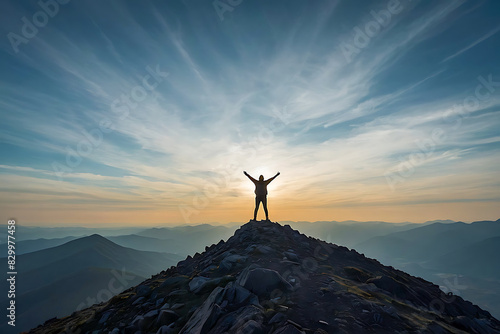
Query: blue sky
370,110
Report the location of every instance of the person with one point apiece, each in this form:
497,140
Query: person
261,193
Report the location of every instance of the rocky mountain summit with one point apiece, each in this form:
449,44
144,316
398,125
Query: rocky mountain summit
269,278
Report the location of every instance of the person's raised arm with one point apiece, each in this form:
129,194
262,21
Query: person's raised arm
251,178
275,176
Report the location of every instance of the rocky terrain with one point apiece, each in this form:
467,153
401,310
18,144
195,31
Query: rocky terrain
269,278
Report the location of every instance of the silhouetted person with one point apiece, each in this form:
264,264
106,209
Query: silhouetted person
261,193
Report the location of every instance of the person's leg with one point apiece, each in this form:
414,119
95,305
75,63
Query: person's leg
264,204
257,202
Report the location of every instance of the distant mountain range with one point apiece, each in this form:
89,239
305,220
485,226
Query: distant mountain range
461,257
181,240
269,278
58,280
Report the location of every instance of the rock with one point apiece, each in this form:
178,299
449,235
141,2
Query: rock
179,292
205,316
138,321
196,282
142,290
138,301
105,317
177,306
165,306
356,274
251,327
233,296
231,261
174,281
148,319
235,258
115,331
166,317
130,329
165,330
234,322
391,285
291,256
151,314
288,329
210,284
262,281
208,269
159,301
259,249
278,318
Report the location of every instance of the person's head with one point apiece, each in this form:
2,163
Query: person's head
261,178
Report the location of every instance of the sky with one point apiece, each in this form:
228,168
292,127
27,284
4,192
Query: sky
123,113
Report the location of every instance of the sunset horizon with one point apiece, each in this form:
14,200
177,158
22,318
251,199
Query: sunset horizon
123,114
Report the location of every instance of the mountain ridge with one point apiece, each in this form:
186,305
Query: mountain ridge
67,274
269,278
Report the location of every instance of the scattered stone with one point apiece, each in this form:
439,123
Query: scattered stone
196,282
179,292
105,317
173,281
138,321
142,290
177,306
166,317
288,329
138,300
165,330
278,318
251,327
291,256
262,281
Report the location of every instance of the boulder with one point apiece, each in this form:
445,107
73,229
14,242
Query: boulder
262,281
291,256
288,329
166,317
138,301
196,282
165,330
277,318
174,281
142,290
389,284
105,317
251,327
220,302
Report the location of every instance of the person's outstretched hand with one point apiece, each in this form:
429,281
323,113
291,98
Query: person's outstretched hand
244,172
278,173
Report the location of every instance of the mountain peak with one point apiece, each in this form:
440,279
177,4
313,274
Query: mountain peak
269,278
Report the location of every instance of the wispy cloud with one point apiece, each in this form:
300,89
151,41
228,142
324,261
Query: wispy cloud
473,44
217,111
